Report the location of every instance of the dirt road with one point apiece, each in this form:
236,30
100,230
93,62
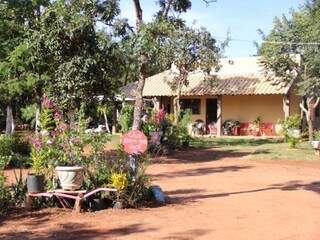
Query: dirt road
210,198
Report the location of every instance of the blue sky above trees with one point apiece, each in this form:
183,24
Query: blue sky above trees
241,17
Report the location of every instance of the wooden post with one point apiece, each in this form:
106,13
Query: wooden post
219,115
28,202
78,203
286,106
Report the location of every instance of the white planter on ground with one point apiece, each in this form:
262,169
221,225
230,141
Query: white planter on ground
70,178
315,144
294,133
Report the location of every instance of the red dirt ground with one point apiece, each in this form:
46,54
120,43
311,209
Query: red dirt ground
210,198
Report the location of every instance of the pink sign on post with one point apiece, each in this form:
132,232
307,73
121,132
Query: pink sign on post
134,142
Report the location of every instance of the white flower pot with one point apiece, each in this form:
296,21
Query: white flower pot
294,133
315,144
70,178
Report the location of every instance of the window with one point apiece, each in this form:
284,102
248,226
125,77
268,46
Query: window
193,104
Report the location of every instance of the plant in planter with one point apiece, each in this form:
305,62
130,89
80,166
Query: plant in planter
155,127
255,127
316,142
279,128
231,127
36,179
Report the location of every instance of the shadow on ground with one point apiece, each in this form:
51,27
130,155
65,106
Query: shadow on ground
76,231
198,172
205,155
194,195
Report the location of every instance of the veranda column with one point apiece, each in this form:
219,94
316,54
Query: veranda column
219,115
286,106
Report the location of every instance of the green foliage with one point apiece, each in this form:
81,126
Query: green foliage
148,127
19,189
126,117
5,196
300,27
185,118
292,122
317,135
291,129
28,113
14,151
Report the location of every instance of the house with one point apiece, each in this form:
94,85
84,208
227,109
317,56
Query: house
242,91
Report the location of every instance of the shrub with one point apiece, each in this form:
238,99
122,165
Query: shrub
185,118
317,135
291,130
14,150
5,196
126,117
28,114
292,122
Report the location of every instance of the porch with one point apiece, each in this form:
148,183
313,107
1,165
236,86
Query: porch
214,111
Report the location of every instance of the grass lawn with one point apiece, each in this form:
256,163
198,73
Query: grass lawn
258,148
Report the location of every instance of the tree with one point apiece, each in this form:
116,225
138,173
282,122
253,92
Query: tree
190,50
82,57
17,20
150,37
297,36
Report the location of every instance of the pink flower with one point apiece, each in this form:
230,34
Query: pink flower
61,127
47,103
36,141
57,115
160,115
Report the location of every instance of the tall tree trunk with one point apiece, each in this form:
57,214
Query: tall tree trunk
37,122
114,118
177,109
106,121
9,120
142,75
309,112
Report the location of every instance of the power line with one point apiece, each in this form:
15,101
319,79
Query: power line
277,42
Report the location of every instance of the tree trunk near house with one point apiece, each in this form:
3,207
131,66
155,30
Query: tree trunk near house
309,112
143,72
114,118
9,120
106,121
176,109
37,122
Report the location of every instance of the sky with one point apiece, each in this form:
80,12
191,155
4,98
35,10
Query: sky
242,18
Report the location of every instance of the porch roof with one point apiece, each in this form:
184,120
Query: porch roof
237,76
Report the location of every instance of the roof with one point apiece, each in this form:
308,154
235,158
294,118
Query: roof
237,76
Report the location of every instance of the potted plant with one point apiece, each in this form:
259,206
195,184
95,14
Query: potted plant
70,144
35,180
279,128
154,128
255,127
316,143
236,128
231,127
